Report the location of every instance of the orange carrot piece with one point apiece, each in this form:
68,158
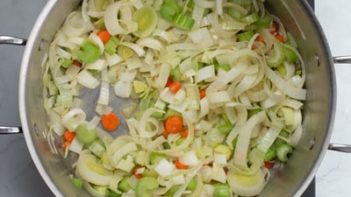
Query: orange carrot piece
175,86
137,176
202,94
77,63
275,28
280,38
268,165
69,136
184,133
65,145
260,39
180,165
104,36
110,121
173,124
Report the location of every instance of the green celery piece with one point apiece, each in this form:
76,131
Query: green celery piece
85,135
158,115
234,142
233,13
176,75
290,55
65,62
124,185
77,183
221,190
111,193
169,10
172,191
249,19
281,70
145,186
156,157
225,128
264,22
283,152
166,145
88,52
192,184
246,36
270,154
252,112
151,173
111,46
184,22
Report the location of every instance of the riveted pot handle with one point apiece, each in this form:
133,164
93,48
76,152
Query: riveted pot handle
346,148
11,41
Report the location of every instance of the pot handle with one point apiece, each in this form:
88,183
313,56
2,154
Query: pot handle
11,41
345,148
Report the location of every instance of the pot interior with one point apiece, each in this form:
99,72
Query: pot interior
317,117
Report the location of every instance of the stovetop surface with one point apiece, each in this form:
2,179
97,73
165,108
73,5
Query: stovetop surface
18,175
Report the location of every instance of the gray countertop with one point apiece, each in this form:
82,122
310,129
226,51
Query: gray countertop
18,175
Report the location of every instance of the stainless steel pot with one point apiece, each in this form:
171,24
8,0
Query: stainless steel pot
318,112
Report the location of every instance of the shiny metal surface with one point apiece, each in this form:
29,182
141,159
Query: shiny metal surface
12,40
342,60
291,180
10,130
346,148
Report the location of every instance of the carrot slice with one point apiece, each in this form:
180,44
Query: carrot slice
275,28
65,145
174,124
110,121
104,36
69,136
77,63
137,176
175,86
260,39
202,94
268,165
180,165
184,133
280,38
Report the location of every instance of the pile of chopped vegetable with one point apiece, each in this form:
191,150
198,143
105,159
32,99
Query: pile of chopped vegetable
216,91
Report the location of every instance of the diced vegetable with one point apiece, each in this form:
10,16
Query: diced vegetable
146,19
85,135
245,36
169,10
221,190
184,21
110,121
192,184
289,55
124,185
270,155
66,62
88,53
180,165
145,186
225,150
283,152
156,157
69,136
104,36
111,46
77,183
174,124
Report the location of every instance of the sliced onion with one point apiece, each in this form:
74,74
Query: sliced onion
72,119
104,96
87,80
